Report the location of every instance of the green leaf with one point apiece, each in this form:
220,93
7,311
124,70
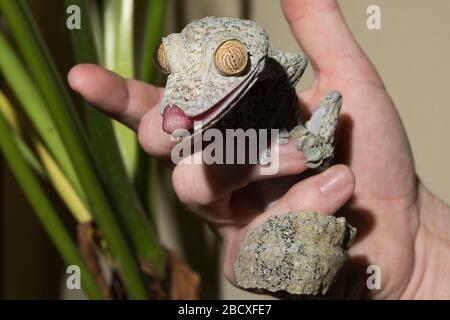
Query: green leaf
111,167
29,156
12,119
44,210
35,108
68,125
95,19
154,26
52,171
146,178
119,57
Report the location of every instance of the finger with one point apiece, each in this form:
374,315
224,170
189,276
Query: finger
287,160
124,100
325,192
152,138
199,185
321,30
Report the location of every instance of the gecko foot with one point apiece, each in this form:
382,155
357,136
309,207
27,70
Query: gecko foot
317,137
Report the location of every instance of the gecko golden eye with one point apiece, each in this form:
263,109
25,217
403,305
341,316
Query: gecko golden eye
231,58
161,60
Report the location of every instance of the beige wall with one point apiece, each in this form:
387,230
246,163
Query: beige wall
411,53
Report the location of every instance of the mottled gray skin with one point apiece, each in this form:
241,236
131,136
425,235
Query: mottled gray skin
263,97
298,253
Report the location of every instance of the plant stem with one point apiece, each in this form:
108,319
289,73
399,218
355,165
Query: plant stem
35,108
148,168
111,167
44,210
12,119
119,57
95,19
62,185
68,125
52,171
154,26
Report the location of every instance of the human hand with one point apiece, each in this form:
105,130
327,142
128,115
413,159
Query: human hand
231,199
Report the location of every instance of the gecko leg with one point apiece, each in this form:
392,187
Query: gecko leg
317,137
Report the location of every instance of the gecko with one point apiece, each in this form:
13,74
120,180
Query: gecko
225,73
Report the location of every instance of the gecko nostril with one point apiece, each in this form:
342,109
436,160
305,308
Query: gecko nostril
175,118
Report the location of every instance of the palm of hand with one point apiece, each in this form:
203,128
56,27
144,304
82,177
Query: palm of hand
373,143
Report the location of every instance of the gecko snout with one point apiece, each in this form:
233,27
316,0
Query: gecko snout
174,118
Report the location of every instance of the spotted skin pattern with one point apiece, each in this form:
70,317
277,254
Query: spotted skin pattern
262,97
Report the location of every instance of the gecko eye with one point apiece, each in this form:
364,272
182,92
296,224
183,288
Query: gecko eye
231,58
161,60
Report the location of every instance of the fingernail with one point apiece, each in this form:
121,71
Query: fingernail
334,181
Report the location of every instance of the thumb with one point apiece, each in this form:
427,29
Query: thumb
321,30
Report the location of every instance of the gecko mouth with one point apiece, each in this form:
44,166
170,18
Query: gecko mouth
175,118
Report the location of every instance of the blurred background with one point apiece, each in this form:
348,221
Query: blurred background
410,52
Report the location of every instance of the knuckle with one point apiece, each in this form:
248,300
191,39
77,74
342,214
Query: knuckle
152,141
143,136
184,186
189,188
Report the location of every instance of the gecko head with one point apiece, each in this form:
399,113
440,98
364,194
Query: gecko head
211,65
